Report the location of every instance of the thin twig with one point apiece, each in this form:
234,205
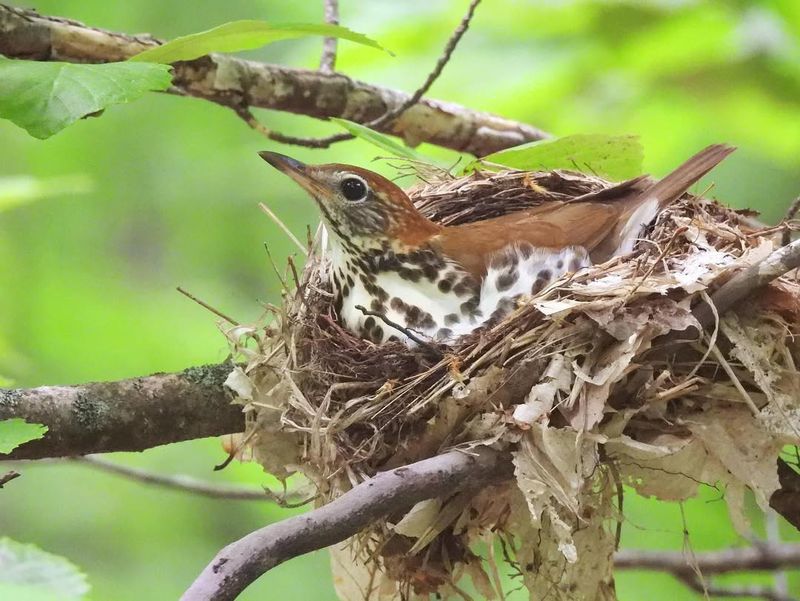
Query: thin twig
757,557
283,226
407,332
327,63
188,484
791,213
8,477
388,116
710,591
205,305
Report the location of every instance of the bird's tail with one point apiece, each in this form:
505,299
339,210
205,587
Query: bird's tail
650,200
672,187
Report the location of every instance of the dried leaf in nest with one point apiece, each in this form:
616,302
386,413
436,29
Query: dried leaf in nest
576,377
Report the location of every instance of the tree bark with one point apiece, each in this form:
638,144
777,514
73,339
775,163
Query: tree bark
126,415
239,83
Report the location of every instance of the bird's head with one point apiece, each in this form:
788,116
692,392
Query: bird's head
359,206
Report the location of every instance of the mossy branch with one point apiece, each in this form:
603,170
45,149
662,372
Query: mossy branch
126,415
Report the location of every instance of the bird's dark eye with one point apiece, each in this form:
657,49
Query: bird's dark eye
353,188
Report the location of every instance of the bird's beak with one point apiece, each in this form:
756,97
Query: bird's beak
298,171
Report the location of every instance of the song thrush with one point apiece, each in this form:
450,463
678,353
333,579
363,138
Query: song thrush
443,282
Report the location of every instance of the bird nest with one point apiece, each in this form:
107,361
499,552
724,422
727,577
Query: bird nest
603,379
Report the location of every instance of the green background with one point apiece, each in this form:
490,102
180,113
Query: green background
87,282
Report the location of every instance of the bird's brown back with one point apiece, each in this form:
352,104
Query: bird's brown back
595,221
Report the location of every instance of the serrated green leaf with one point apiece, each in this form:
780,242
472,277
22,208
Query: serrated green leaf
244,35
612,157
43,97
28,573
18,190
385,143
16,431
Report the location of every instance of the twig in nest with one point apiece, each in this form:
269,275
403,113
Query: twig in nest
444,58
8,477
191,485
407,332
205,305
327,63
747,282
791,213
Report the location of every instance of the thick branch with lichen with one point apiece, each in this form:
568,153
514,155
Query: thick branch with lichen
241,84
126,415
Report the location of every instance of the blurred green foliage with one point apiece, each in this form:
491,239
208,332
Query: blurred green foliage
88,280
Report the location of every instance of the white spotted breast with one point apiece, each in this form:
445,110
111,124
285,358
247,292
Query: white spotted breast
447,302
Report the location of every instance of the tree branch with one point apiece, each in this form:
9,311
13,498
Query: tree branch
242,562
127,415
389,116
757,557
746,283
327,63
241,84
191,485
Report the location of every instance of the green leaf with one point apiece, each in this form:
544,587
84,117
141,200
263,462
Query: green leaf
385,143
28,573
244,35
44,98
613,157
18,190
16,431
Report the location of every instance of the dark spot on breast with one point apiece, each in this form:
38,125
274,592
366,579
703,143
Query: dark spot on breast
465,286
412,275
430,272
560,264
576,264
445,286
393,338
504,307
451,319
345,290
506,280
377,334
412,315
426,322
545,274
397,304
369,322
350,281
538,285
376,305
444,334
388,262
469,307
